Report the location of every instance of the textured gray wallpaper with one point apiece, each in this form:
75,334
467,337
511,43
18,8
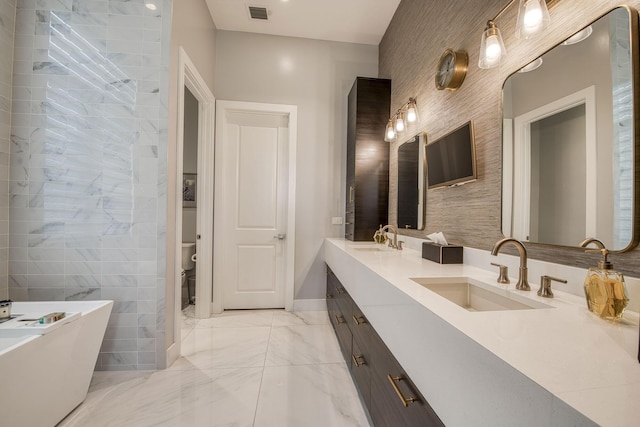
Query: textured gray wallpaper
409,52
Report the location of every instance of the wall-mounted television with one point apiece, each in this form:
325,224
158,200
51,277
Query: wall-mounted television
451,160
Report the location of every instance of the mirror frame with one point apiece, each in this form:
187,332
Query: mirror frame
422,191
635,77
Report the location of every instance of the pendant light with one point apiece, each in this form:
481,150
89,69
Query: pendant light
412,111
492,48
389,133
533,19
405,116
400,122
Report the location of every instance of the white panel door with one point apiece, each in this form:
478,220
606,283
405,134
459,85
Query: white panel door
253,215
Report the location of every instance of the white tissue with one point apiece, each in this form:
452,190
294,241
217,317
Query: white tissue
438,238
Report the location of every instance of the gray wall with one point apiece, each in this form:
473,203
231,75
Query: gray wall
316,76
88,166
559,141
470,214
7,24
190,160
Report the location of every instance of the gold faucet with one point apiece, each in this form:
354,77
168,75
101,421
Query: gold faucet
523,282
593,240
394,243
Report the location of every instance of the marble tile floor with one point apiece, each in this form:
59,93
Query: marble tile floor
258,368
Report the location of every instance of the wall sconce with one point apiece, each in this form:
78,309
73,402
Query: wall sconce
397,124
533,18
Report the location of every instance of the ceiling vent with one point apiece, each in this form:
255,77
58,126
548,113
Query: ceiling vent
257,12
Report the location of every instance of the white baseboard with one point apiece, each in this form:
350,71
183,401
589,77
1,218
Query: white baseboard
173,352
309,305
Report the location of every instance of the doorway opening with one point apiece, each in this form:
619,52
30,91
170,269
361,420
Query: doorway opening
194,201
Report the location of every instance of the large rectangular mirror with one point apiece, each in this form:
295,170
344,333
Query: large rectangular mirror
411,183
569,139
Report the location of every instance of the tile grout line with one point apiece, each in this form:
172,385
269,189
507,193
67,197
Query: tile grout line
264,363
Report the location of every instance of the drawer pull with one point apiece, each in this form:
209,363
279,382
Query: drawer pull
339,319
405,400
329,296
359,319
341,290
356,358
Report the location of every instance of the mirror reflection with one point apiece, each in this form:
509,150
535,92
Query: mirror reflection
411,183
568,140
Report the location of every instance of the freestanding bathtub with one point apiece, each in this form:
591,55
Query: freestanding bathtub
45,370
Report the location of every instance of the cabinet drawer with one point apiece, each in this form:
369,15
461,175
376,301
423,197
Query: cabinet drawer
344,338
360,327
337,298
361,370
395,400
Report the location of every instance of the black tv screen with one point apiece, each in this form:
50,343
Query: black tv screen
451,160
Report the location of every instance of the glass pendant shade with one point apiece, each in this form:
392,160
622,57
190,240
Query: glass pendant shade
412,111
400,126
533,18
389,133
492,48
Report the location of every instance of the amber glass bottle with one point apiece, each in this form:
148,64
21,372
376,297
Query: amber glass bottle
605,290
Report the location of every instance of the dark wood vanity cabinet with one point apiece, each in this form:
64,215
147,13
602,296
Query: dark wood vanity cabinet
379,378
337,298
367,192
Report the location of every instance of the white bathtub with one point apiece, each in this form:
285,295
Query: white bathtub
45,372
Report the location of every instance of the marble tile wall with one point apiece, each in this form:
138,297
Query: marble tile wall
88,165
7,26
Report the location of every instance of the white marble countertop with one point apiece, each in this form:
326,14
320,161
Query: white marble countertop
589,363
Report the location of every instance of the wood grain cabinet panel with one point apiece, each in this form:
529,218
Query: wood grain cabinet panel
336,296
367,177
379,378
391,388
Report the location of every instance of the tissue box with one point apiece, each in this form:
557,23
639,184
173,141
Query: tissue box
443,254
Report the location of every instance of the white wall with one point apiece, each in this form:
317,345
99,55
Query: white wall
316,76
192,29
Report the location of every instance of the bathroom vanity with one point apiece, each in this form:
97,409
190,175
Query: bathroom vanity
536,362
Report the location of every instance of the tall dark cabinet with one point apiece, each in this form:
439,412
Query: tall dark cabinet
367,158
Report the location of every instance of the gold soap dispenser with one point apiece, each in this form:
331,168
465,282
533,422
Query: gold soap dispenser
604,287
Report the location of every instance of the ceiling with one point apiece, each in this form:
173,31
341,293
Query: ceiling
351,21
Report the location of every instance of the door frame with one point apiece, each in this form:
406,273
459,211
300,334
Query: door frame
189,77
291,111
521,150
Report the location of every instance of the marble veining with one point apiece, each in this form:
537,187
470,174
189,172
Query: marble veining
198,391
86,176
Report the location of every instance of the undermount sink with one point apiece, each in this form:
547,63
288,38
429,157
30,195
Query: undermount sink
477,296
370,249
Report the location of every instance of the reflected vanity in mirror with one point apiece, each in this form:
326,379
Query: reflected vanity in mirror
569,140
411,183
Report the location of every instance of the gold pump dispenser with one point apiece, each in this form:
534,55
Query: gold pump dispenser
604,287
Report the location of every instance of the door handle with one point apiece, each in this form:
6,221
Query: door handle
280,236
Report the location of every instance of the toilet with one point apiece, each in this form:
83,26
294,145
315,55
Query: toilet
188,249
188,274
